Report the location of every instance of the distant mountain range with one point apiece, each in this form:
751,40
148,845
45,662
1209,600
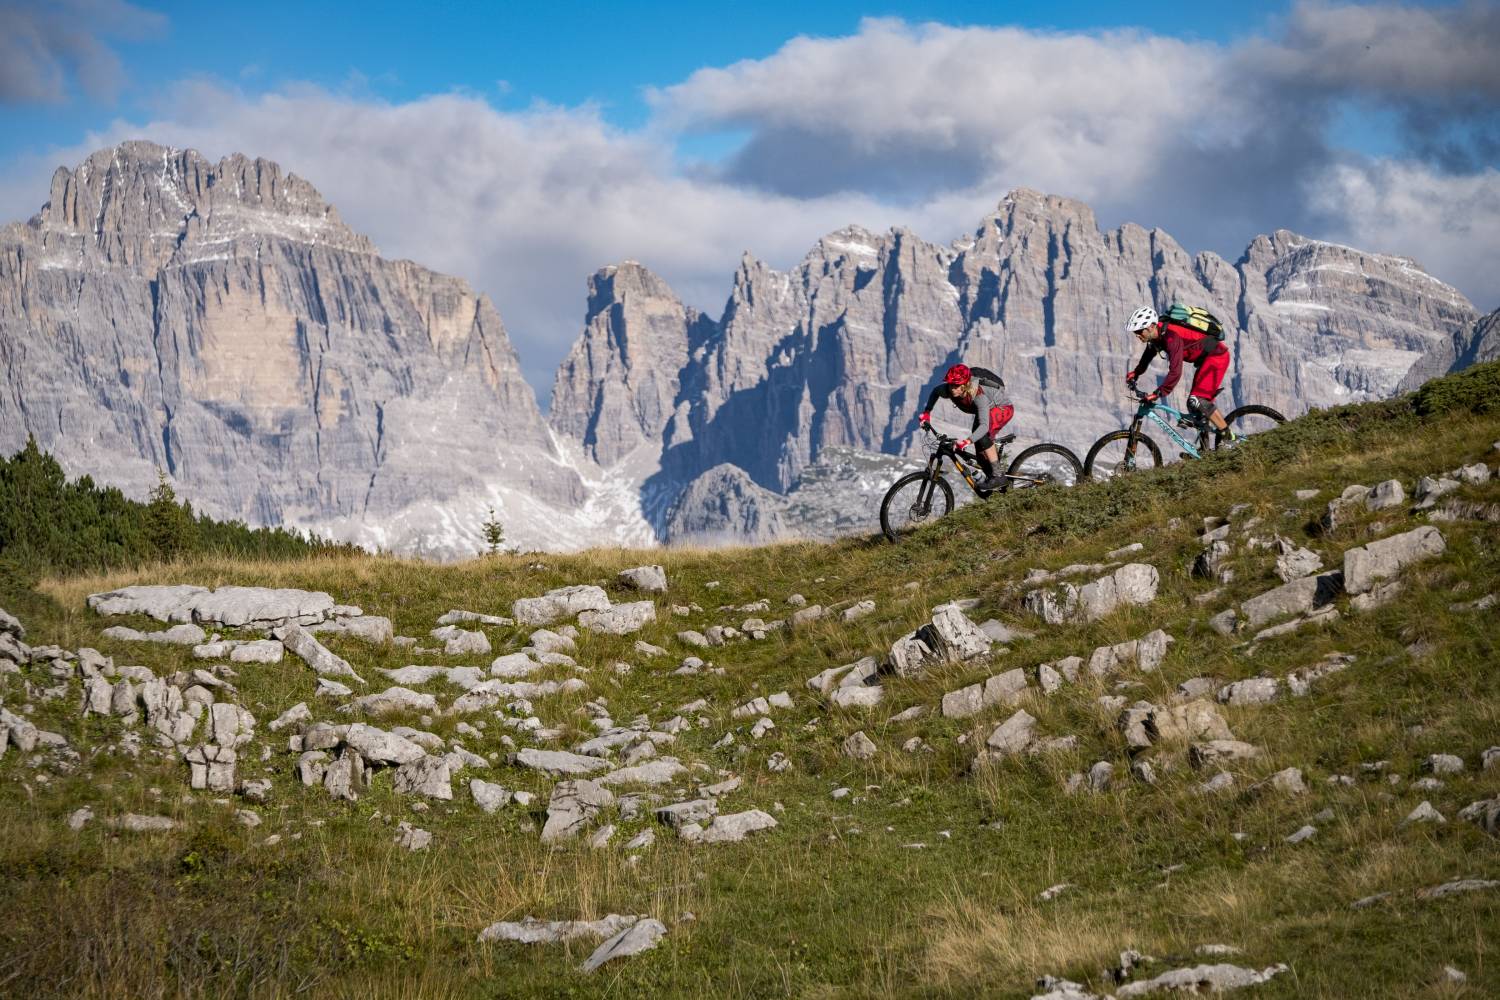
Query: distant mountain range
220,322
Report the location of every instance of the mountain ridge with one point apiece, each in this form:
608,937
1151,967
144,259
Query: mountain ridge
222,322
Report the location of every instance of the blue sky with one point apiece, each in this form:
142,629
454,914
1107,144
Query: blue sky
514,54
522,146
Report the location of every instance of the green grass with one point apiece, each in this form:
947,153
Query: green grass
832,903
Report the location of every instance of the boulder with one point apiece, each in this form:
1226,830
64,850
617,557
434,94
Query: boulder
1254,691
261,607
165,604
230,725
428,776
1366,565
954,637
461,642
651,579
573,805
734,827
1293,562
488,795
1211,560
621,619
534,931
1383,496
1200,979
680,814
211,768
559,762
393,699
312,652
380,747
11,625
910,655
640,936
1131,584
1296,597
366,628
859,746
857,696
1013,735
177,635
1193,720
563,602
257,651
999,689
660,771
345,777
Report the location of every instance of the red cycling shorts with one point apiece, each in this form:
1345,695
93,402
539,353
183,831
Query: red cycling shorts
1208,377
1000,416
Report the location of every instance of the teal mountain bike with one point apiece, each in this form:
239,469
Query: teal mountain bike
1132,448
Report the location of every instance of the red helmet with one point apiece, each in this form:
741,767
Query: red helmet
957,375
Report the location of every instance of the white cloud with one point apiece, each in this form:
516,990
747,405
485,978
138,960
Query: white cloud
48,45
1450,225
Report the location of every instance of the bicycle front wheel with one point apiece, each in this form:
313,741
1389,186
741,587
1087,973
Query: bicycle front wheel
1119,452
912,501
1248,421
1043,465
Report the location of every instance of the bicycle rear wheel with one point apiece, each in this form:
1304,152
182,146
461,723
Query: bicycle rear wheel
1043,465
1248,421
903,508
1120,452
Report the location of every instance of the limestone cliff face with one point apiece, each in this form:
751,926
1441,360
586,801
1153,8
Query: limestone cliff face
219,321
618,386
1485,344
839,352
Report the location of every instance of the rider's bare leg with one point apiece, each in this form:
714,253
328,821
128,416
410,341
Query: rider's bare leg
987,459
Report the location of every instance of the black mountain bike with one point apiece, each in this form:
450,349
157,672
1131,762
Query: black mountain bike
919,497
1130,449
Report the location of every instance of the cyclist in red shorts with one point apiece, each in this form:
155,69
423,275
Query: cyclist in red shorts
981,393
1182,343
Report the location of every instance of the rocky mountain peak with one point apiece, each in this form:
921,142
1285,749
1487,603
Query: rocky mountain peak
219,322
142,204
618,385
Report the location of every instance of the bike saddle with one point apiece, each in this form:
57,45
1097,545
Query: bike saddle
1005,440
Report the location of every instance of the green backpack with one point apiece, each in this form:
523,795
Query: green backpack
1195,318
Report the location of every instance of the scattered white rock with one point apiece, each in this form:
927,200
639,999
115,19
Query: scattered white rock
640,936
412,838
1201,979
651,579
1423,813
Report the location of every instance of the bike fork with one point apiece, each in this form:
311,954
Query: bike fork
929,486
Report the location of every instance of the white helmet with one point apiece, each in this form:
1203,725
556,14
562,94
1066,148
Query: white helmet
1140,319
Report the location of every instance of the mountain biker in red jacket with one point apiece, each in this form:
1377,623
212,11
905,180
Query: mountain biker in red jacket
1179,343
982,396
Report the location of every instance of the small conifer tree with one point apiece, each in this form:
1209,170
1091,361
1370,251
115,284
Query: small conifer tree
169,525
494,532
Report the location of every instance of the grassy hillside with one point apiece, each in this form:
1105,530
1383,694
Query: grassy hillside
925,880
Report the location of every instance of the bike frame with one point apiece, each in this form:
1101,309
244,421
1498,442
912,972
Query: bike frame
1152,411
935,467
